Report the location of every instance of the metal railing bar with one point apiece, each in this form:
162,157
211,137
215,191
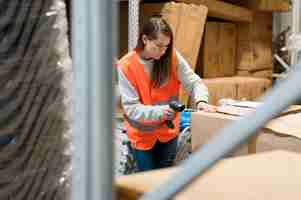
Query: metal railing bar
276,100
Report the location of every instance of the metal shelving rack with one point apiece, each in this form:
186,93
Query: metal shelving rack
93,50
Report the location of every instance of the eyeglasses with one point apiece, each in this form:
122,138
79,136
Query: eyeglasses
160,46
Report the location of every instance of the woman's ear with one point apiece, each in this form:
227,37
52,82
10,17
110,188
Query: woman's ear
144,39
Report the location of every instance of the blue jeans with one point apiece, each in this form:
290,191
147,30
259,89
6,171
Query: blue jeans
6,139
160,156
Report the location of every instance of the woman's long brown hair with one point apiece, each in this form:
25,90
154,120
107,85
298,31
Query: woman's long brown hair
162,68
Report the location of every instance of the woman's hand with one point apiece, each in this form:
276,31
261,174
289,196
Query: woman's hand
168,114
206,107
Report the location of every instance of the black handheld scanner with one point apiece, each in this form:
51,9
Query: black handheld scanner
177,107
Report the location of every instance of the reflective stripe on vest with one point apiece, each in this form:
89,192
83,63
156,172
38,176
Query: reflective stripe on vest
147,127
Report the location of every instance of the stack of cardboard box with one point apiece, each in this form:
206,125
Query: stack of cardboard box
241,51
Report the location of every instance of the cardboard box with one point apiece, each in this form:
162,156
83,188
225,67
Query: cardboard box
283,132
218,55
259,74
254,50
272,175
250,88
238,88
206,125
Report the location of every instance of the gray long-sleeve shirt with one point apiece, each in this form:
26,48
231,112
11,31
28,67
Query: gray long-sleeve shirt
132,105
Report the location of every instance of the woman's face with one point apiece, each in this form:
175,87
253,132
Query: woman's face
156,48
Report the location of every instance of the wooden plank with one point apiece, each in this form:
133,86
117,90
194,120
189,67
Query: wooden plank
264,5
269,5
219,50
224,10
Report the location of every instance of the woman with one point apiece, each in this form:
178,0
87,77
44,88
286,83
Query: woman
149,78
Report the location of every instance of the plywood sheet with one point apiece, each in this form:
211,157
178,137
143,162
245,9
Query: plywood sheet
225,11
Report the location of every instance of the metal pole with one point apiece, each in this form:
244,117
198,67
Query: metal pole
133,26
295,26
281,61
232,136
92,157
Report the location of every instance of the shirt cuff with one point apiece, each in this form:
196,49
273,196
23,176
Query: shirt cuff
199,101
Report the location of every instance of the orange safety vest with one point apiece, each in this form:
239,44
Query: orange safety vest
144,134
